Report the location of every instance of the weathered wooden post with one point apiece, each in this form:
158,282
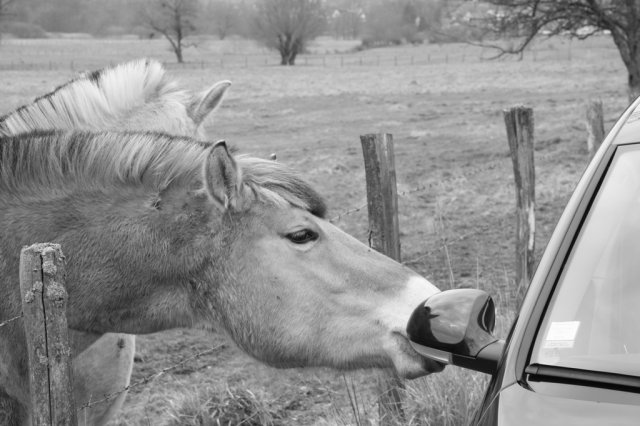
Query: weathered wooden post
44,300
384,236
595,126
519,123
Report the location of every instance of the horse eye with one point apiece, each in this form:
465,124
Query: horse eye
302,237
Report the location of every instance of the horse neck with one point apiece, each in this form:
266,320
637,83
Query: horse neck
107,236
40,217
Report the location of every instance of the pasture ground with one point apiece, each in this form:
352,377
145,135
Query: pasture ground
443,104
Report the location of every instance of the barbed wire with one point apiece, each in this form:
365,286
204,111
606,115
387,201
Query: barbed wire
469,173
446,242
10,320
466,176
347,213
145,380
419,188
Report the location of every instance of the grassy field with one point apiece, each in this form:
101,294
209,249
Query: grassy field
443,105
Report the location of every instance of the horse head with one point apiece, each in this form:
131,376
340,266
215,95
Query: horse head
166,232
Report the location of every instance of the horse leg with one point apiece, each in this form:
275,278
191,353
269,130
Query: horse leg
103,368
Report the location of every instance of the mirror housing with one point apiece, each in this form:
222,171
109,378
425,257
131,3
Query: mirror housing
456,327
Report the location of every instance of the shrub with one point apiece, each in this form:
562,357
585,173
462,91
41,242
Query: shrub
23,30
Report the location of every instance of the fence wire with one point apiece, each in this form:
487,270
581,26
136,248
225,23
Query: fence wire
463,176
10,320
151,377
446,242
145,380
469,173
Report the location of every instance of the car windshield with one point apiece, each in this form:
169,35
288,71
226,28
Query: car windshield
593,320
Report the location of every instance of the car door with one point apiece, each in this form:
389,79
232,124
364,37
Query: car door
577,358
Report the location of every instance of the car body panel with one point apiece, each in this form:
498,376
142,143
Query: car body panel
509,400
560,405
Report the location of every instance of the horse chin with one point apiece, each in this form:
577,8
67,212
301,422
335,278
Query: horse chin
407,362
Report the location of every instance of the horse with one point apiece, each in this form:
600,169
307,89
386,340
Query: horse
165,231
133,95
136,95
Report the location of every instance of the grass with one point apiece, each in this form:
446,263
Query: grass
439,400
449,403
220,407
457,220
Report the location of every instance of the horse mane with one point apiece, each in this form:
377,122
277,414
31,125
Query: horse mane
96,100
42,161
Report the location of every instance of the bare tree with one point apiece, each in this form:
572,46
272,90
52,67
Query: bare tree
288,25
347,18
174,19
399,21
577,18
5,9
222,16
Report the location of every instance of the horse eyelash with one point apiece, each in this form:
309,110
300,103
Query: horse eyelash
156,203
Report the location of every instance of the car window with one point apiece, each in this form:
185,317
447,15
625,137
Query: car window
593,320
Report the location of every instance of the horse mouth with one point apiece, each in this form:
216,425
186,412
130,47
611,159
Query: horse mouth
410,364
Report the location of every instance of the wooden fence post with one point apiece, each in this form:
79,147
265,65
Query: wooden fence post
44,300
384,236
595,126
519,123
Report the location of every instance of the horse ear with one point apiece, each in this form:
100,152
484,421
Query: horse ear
203,103
221,175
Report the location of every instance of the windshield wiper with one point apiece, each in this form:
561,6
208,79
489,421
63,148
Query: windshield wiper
576,376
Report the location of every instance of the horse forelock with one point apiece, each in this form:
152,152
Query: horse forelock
275,183
98,99
43,160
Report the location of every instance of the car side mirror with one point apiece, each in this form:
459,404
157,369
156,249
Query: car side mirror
456,327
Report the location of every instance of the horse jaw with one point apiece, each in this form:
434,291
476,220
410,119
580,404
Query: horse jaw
394,315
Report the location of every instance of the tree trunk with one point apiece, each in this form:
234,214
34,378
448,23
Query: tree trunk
629,49
176,45
292,57
287,56
634,81
288,50
178,52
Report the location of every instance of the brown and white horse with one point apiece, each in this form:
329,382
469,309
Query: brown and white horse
136,95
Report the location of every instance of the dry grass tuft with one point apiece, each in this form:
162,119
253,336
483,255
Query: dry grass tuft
221,407
450,398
